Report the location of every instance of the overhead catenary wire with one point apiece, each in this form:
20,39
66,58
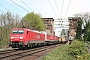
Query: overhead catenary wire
26,5
52,9
1,11
62,8
19,6
6,9
67,8
57,7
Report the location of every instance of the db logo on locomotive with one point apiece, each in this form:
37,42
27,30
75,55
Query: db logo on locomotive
38,36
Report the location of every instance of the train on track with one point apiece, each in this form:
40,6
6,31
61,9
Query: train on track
24,38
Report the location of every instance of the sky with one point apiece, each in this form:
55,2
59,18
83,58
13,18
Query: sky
46,8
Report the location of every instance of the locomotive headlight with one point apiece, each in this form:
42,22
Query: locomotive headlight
20,40
21,37
11,40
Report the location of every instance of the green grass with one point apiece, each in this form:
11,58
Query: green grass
76,50
60,53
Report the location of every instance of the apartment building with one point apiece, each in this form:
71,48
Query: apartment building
49,25
73,25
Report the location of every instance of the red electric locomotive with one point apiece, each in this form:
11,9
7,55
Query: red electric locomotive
23,37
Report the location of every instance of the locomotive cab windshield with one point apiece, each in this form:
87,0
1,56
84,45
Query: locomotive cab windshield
17,32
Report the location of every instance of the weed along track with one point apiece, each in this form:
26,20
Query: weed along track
30,54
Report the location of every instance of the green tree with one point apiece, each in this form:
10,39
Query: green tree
32,20
85,24
79,29
87,32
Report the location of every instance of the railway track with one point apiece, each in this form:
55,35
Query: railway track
25,54
7,51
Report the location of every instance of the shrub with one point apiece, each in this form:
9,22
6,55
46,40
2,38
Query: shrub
77,48
75,51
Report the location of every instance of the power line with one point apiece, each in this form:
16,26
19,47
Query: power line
52,9
1,11
57,7
7,9
27,5
4,7
62,8
19,6
67,8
